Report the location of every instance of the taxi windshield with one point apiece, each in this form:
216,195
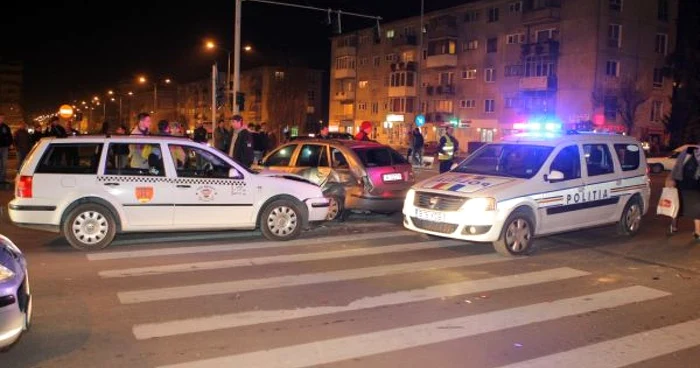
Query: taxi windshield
511,160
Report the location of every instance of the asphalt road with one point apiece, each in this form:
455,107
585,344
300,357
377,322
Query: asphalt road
364,293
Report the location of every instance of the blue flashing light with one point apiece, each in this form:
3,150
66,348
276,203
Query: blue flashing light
538,127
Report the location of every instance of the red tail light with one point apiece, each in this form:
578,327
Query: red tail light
24,187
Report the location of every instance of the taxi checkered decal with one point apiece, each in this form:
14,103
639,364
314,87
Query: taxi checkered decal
161,179
213,181
135,179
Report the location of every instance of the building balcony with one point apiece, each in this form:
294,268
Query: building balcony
343,117
409,66
344,96
443,27
403,91
405,41
548,47
346,50
444,90
535,84
441,61
549,11
345,73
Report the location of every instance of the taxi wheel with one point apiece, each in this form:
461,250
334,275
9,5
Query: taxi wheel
89,227
335,209
631,218
517,236
281,220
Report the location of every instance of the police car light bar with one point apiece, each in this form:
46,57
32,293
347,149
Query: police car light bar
535,127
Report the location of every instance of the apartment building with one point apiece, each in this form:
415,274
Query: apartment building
11,92
487,65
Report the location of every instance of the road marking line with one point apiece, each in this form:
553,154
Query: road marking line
179,292
247,262
352,347
219,322
624,351
101,256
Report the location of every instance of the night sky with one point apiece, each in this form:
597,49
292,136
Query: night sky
73,50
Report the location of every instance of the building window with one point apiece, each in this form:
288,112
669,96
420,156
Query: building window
311,96
657,110
515,38
612,68
446,78
362,106
470,45
364,40
375,108
425,54
376,61
491,45
515,7
364,61
489,75
614,35
442,47
539,66
511,102
489,106
616,5
493,15
662,10
471,16
390,34
402,79
467,104
610,107
390,58
363,84
402,104
279,75
661,43
658,77
513,71
469,73
343,62
545,34
443,106
408,56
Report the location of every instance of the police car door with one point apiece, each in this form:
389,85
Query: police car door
558,205
205,196
599,202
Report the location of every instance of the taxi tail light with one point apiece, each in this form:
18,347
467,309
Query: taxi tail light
24,187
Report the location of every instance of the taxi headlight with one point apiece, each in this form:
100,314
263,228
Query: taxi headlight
410,196
5,273
479,205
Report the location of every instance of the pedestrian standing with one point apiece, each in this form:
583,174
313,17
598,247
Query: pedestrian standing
447,149
685,176
241,148
5,143
365,131
23,143
418,143
200,133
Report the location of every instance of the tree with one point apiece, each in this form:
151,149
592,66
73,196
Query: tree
627,97
288,98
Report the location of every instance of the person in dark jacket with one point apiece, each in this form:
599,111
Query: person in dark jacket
200,133
6,141
23,143
241,148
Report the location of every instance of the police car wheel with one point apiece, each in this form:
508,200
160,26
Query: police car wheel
281,220
89,227
630,221
517,236
657,168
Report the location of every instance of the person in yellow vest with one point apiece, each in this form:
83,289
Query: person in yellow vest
447,149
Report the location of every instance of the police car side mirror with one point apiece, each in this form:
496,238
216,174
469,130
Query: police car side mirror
554,175
233,173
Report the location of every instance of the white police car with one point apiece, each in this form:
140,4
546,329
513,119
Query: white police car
93,187
528,185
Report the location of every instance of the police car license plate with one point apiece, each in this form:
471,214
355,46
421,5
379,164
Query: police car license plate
430,215
392,177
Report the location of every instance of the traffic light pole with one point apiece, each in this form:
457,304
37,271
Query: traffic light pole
213,101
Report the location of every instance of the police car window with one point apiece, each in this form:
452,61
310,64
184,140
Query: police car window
281,157
598,159
510,160
195,162
568,162
134,160
629,156
312,155
74,158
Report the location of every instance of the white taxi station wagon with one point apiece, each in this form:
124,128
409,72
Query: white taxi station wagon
91,188
531,184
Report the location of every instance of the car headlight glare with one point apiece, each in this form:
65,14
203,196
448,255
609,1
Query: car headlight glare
5,273
479,205
410,196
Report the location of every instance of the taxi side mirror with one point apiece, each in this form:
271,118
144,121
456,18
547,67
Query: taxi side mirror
554,175
233,173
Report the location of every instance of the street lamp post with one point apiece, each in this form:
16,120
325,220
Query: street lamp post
227,92
143,80
237,54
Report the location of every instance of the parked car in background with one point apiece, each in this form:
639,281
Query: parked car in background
15,296
659,164
354,175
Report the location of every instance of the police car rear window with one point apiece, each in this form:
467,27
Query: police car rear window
629,156
380,156
70,158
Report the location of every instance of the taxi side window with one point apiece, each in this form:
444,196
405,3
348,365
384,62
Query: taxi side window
598,159
339,160
568,162
74,158
312,155
194,162
281,157
629,156
134,160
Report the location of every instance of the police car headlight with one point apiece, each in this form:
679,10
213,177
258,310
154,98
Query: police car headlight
410,196
479,205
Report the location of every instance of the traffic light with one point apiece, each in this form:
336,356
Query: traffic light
220,97
240,100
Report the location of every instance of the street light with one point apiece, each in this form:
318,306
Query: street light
211,46
142,79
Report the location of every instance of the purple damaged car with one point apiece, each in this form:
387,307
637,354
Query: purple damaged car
15,298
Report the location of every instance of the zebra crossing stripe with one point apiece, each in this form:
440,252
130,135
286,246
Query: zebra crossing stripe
102,256
352,347
247,262
219,322
624,351
179,292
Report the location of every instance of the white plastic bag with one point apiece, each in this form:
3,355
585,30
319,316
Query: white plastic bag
669,203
